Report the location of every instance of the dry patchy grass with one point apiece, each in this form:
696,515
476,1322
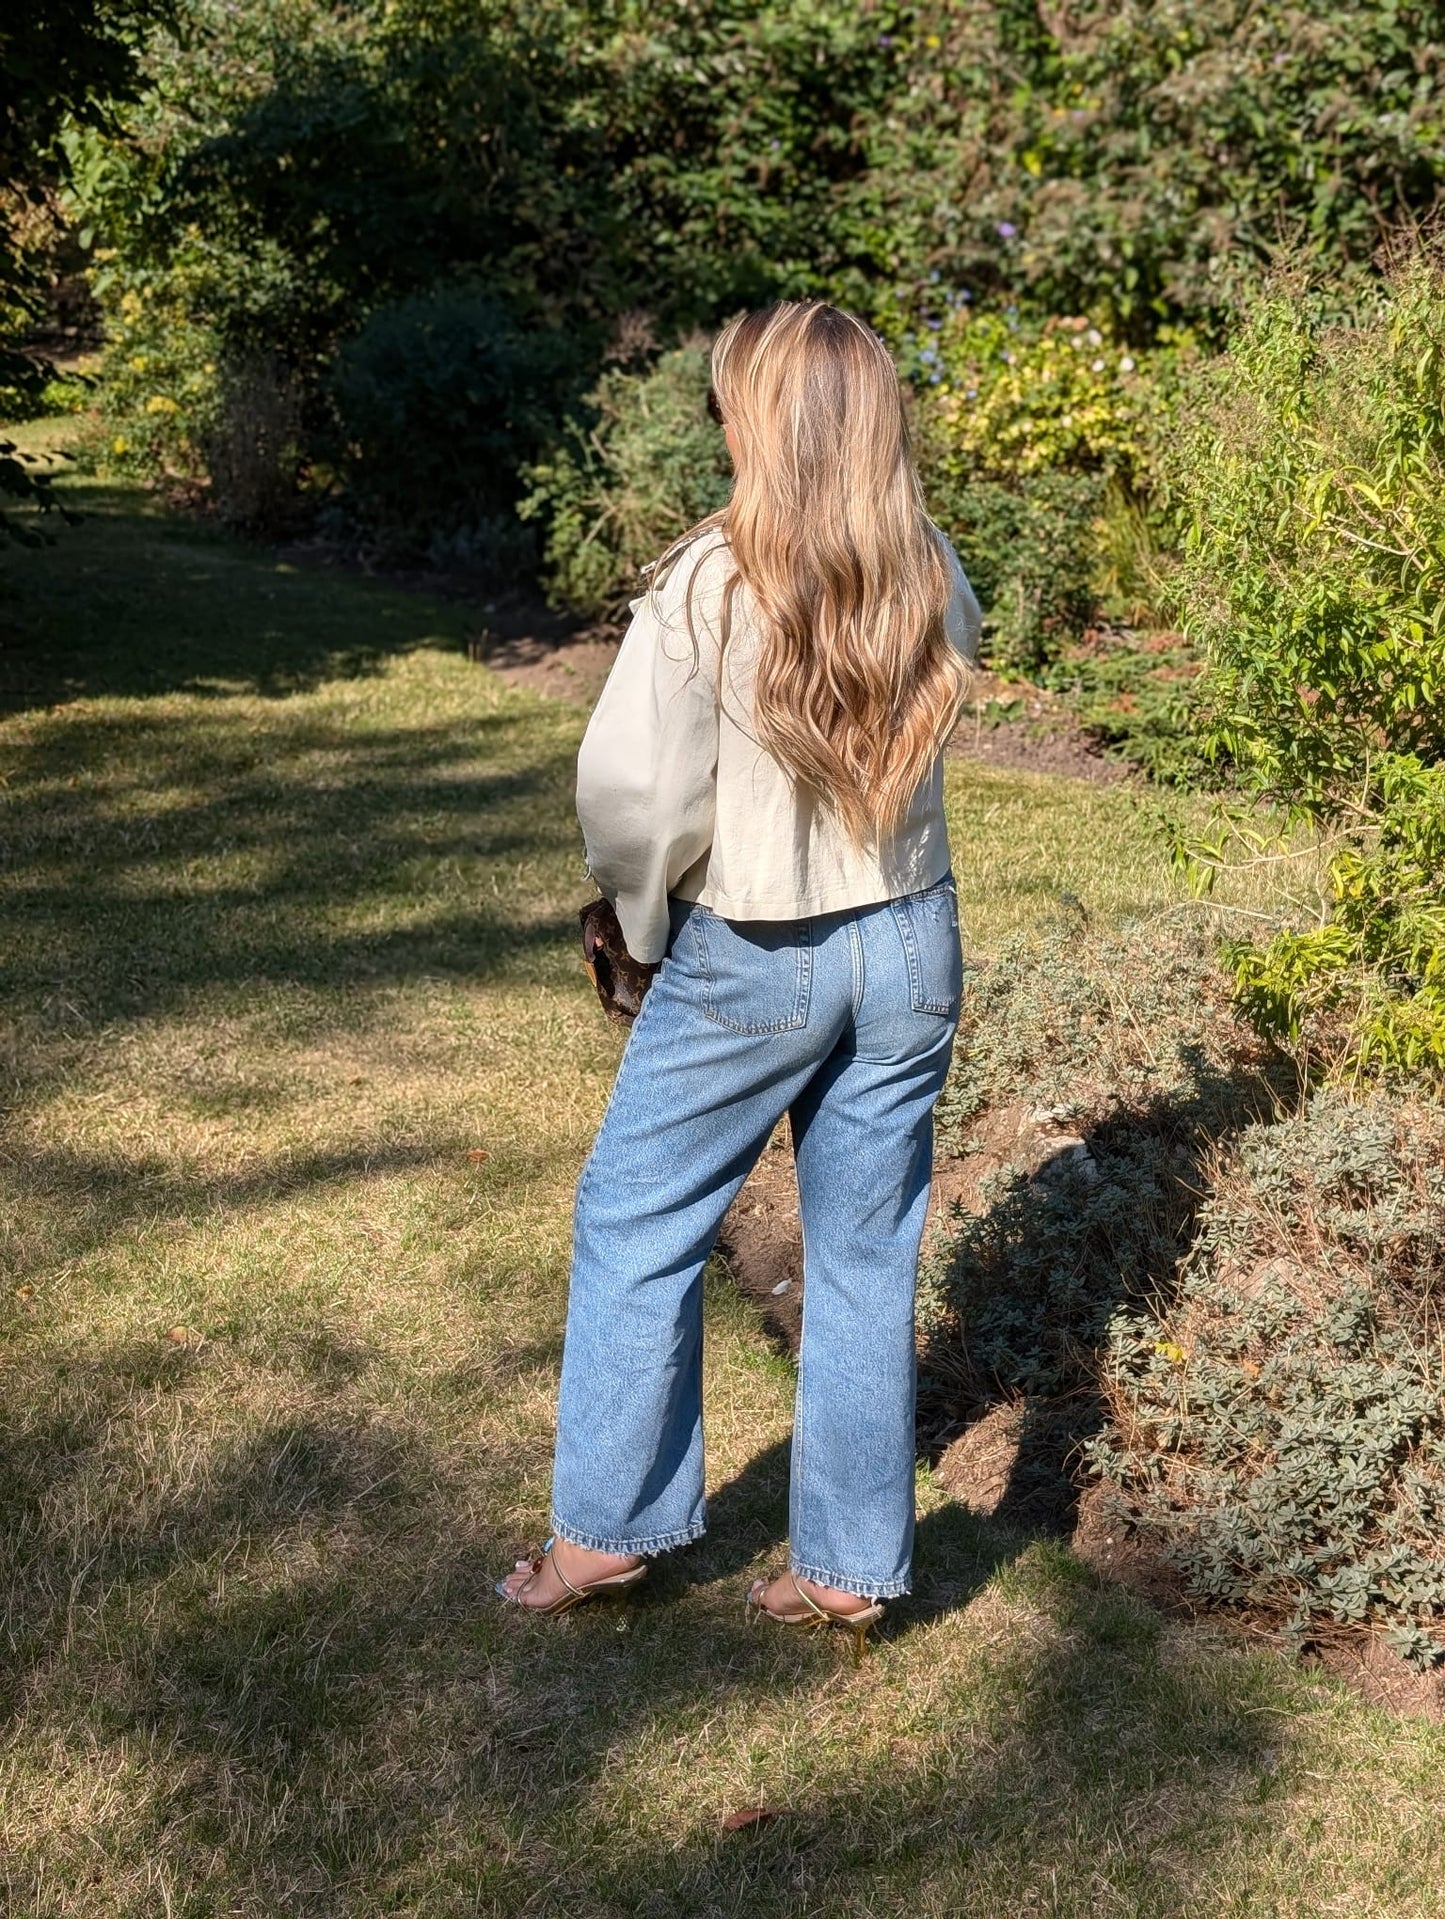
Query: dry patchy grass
287,898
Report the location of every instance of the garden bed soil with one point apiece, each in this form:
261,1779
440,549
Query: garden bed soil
1038,736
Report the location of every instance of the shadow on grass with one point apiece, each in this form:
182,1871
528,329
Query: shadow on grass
158,855
87,1202
329,856
132,602
304,1632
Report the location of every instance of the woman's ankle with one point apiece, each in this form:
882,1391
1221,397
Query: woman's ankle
589,1558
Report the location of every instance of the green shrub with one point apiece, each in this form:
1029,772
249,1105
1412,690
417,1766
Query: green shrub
644,464
1030,550
1233,1316
1311,471
440,399
1028,434
1136,694
157,390
297,166
1279,1426
1139,156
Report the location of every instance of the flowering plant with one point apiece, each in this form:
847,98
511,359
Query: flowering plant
1002,399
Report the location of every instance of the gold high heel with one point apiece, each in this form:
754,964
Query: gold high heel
859,1623
572,1595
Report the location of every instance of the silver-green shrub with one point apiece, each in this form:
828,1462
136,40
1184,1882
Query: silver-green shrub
1277,1426
1129,1040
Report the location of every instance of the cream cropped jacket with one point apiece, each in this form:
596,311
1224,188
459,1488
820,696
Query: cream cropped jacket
676,796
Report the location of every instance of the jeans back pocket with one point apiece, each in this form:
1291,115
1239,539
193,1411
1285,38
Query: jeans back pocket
928,926
757,974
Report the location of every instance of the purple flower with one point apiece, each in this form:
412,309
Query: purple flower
885,39
1006,229
933,325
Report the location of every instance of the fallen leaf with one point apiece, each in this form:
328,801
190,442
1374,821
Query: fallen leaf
178,1336
751,1816
478,1154
25,1292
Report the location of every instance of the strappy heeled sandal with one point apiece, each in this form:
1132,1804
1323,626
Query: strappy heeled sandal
859,1623
572,1595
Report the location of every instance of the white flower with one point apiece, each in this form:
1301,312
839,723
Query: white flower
1096,366
1126,365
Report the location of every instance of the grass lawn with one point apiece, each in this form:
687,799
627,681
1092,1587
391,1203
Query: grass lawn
298,1071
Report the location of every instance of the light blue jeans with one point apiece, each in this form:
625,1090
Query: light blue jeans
846,1023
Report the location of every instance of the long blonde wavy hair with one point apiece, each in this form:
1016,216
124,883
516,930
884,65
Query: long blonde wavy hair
856,685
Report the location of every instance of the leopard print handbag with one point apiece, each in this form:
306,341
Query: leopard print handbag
621,981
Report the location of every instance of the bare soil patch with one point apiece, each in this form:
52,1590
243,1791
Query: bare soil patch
573,667
1038,736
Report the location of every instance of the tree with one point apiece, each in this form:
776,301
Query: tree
62,62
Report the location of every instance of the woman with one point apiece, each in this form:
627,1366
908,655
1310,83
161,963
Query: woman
760,792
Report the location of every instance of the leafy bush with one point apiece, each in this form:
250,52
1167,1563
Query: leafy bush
66,62
1279,1426
440,399
1236,1313
158,387
1136,694
297,167
1030,551
1025,432
1312,475
1015,397
619,489
1136,156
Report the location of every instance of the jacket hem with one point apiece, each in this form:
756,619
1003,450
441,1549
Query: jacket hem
840,899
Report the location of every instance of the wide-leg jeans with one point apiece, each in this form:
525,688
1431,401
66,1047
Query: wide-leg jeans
844,1022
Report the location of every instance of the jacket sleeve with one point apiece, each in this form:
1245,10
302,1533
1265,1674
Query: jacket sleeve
962,619
647,770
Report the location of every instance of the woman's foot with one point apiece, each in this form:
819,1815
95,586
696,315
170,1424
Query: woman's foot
780,1597
540,1586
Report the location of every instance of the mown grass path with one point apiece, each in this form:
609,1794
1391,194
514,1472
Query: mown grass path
298,1072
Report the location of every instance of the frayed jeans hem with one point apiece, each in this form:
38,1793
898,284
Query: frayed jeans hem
646,1547
845,1583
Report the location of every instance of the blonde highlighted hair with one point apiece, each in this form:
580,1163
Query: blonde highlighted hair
856,685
